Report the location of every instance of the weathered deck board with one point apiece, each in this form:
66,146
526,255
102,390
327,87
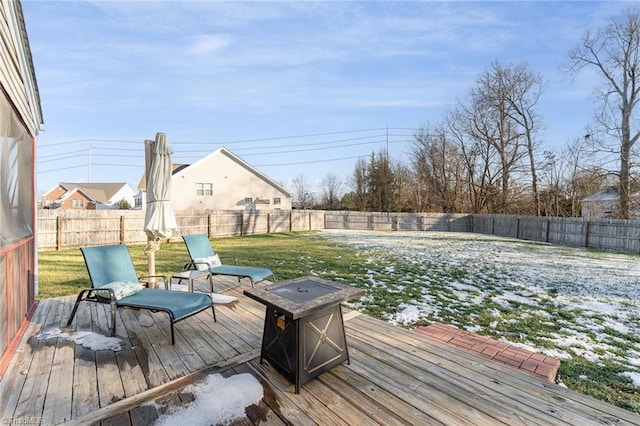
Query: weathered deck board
395,376
12,383
508,384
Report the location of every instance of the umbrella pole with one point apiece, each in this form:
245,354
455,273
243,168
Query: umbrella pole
152,264
150,250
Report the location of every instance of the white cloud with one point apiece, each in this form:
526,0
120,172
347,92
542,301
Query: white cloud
203,45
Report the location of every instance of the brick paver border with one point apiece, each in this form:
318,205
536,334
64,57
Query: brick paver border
505,353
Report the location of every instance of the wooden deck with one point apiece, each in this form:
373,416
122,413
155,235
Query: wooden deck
395,376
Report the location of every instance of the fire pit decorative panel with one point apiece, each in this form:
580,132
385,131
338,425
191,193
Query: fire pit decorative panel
304,330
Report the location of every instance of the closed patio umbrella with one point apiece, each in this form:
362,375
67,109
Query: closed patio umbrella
160,220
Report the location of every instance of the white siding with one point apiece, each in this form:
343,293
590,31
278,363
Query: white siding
16,74
232,184
125,192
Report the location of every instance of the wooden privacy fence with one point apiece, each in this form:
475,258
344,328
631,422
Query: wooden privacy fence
605,234
59,229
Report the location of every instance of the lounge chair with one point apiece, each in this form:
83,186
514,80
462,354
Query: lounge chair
204,259
113,277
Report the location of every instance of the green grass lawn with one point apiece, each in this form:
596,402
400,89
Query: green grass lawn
288,255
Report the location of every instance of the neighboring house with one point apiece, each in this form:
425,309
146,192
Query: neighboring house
604,204
88,196
20,124
223,181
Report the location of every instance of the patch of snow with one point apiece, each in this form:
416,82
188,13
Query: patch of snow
222,298
581,294
634,376
218,400
89,340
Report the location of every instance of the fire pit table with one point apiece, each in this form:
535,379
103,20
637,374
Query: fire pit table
303,327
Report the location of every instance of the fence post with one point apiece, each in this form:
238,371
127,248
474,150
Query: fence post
268,223
518,228
309,221
122,241
546,239
241,223
291,220
209,227
585,233
626,236
58,232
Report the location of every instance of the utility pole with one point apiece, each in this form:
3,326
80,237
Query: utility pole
387,139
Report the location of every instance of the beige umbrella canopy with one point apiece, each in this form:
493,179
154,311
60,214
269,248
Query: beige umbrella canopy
160,221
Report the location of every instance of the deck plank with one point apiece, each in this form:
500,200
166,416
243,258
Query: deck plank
304,402
153,372
396,376
85,379
429,382
57,407
13,381
34,390
371,398
512,387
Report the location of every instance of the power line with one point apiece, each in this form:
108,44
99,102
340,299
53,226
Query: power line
310,162
308,135
63,158
289,137
379,135
62,168
312,149
141,166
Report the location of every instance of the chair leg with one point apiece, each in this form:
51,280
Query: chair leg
112,328
211,282
75,307
213,308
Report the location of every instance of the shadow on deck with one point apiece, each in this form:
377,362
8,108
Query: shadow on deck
395,376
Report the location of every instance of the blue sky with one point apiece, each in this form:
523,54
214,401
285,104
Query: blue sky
294,88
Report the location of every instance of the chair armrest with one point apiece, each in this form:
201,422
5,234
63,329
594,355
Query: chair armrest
235,258
90,293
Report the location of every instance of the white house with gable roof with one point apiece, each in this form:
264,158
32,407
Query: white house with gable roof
223,181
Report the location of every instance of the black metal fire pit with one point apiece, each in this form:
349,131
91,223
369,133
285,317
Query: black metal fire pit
303,326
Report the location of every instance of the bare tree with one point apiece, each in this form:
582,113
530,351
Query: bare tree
524,88
584,174
302,197
482,174
331,187
404,182
359,185
439,165
491,124
551,194
613,52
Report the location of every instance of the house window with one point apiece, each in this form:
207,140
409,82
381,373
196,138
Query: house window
248,200
78,202
204,189
277,200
